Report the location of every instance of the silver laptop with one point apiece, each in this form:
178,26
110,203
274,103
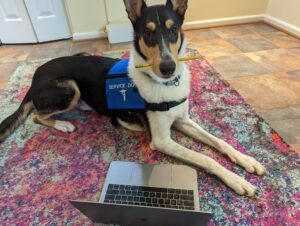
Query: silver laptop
141,194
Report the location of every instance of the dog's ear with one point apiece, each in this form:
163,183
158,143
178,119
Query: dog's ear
134,9
179,6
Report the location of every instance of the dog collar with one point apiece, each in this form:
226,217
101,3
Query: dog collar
173,82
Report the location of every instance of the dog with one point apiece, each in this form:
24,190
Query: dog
58,85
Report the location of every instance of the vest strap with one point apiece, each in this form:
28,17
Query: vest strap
164,106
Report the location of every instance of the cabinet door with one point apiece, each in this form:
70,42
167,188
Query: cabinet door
49,19
15,25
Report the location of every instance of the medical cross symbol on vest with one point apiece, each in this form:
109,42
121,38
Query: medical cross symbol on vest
123,92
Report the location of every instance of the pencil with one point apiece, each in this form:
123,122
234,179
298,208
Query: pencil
181,59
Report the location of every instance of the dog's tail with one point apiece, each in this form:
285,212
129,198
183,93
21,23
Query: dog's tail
13,121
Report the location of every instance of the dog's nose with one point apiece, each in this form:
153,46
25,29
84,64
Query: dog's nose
167,67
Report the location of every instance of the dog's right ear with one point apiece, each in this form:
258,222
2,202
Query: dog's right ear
134,9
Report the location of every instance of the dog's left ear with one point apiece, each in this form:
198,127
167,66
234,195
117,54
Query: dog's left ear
134,9
179,6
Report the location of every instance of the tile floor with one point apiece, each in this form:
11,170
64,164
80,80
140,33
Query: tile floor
260,62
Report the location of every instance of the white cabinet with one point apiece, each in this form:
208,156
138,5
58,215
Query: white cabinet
31,21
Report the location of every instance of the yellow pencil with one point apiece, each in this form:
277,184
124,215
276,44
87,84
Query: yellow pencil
181,59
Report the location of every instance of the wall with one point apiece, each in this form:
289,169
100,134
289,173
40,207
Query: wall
199,9
87,18
285,10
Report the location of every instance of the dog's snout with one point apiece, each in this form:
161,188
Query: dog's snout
167,67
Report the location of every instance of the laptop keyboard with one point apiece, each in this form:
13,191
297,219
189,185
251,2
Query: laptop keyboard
150,196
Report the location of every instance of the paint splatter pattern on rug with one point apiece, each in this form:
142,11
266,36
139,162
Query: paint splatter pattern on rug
41,168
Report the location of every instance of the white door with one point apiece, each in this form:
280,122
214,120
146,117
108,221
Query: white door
49,19
15,25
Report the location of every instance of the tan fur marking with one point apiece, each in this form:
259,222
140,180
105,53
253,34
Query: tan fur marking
151,26
169,23
152,53
44,121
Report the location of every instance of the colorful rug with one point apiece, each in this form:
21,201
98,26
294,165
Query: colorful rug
41,168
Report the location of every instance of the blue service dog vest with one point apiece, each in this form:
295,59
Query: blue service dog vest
121,93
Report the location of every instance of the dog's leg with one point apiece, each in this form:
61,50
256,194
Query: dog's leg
193,130
160,131
63,126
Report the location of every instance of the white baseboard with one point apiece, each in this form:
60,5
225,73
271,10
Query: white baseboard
222,21
283,25
89,35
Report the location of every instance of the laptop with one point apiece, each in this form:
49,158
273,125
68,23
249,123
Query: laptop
142,194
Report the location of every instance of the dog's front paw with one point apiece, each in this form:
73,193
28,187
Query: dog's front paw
249,163
240,185
64,126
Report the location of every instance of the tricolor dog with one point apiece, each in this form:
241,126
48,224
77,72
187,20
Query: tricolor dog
58,85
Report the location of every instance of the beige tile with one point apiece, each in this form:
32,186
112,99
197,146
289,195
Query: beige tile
6,71
260,28
268,92
283,59
282,40
239,65
251,43
92,46
2,85
296,147
200,35
50,50
286,122
215,48
10,54
232,31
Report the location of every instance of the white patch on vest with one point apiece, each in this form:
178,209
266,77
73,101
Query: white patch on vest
123,93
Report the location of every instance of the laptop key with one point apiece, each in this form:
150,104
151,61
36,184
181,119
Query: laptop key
179,202
171,191
124,202
152,194
176,196
116,186
167,201
173,202
184,192
118,202
130,198
109,197
110,186
149,204
170,196
122,192
164,196
130,203
122,186
127,187
160,201
154,200
158,195
136,199
124,198
162,205
168,206
174,207
134,188
128,192
148,200
178,191
190,192
146,194
140,193
142,199
134,193
188,203
189,208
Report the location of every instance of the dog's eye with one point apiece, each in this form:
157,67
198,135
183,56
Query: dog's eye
174,29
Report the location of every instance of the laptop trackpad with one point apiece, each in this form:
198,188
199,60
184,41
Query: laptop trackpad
152,175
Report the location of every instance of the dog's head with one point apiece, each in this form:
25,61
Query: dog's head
158,34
